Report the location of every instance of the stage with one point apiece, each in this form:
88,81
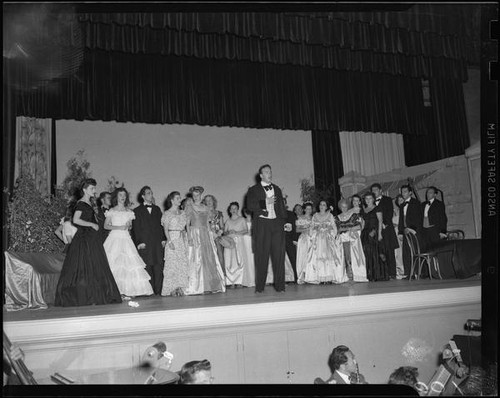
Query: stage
256,338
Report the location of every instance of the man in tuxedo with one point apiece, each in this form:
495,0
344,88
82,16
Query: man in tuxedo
291,238
265,201
103,205
344,367
389,238
149,237
434,219
410,219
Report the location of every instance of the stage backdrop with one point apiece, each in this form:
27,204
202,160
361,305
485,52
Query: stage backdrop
224,160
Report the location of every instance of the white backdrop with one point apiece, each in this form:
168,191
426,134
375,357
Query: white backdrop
224,160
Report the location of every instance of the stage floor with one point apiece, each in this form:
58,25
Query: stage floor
241,296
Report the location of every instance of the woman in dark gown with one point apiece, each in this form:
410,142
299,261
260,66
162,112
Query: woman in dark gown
85,276
371,235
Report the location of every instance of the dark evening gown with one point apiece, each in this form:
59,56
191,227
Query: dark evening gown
86,278
376,268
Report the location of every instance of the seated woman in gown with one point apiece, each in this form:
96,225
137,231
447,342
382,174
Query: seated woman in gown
235,257
205,271
304,243
349,225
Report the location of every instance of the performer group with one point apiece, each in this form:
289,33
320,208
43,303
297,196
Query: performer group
114,253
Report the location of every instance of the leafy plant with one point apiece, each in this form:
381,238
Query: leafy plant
310,193
33,218
78,170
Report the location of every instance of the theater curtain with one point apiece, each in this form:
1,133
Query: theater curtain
33,151
369,42
327,159
446,123
163,89
371,153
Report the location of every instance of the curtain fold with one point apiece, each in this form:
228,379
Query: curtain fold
327,159
371,153
446,122
280,38
157,89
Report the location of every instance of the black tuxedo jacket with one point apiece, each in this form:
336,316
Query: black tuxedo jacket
100,219
256,200
414,216
147,228
385,206
437,215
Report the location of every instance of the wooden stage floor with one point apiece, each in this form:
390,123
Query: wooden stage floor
241,296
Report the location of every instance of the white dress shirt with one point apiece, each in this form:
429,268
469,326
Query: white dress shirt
344,377
271,214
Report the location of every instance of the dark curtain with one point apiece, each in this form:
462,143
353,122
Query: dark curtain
446,123
158,89
328,166
277,38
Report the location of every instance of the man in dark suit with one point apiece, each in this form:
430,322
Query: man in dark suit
149,237
434,219
389,238
103,205
410,219
265,201
291,238
344,367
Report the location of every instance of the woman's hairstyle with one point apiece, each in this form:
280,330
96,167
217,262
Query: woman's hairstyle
88,182
114,197
337,357
368,194
407,375
308,204
230,205
171,196
327,204
189,370
204,201
396,199
343,201
298,205
196,188
356,196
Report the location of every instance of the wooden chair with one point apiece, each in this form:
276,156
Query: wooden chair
420,258
455,234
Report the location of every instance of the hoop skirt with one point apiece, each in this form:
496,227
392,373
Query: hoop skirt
86,278
127,266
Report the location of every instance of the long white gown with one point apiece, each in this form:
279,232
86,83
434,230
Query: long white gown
235,258
248,278
127,266
304,248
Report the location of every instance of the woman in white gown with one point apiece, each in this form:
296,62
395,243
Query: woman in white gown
349,226
235,257
205,271
304,244
249,264
125,263
326,262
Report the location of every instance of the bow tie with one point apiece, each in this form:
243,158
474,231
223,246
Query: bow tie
378,200
404,204
149,206
268,187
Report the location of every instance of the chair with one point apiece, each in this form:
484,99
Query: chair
417,257
455,234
